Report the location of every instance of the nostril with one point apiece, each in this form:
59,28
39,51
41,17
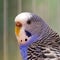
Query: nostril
25,39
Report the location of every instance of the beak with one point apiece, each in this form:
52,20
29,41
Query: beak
17,28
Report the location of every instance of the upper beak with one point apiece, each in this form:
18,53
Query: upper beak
18,28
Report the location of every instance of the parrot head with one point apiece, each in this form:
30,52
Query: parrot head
28,25
28,29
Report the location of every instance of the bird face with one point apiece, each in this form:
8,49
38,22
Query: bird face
21,28
27,25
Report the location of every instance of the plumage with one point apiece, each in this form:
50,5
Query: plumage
37,41
48,48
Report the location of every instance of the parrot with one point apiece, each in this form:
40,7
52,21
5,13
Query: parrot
36,39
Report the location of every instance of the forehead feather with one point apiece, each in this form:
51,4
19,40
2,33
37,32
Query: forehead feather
23,16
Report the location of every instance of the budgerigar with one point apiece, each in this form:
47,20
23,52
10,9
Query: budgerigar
37,41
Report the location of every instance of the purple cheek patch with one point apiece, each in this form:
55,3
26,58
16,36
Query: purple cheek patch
28,33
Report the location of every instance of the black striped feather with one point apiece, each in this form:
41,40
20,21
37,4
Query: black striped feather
48,49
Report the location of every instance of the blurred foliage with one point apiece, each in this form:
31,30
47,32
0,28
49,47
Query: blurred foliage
38,2
1,29
12,42
26,5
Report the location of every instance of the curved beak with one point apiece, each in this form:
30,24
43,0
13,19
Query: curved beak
18,28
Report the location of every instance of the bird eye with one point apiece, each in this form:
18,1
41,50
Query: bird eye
18,24
29,22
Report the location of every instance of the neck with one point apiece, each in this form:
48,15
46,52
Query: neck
23,51
24,47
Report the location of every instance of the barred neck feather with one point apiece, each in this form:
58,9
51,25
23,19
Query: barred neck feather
49,38
45,48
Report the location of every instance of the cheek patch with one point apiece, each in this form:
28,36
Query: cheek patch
28,33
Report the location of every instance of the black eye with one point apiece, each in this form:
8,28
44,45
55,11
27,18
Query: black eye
29,22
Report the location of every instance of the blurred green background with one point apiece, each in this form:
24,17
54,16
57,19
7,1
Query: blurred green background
49,10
